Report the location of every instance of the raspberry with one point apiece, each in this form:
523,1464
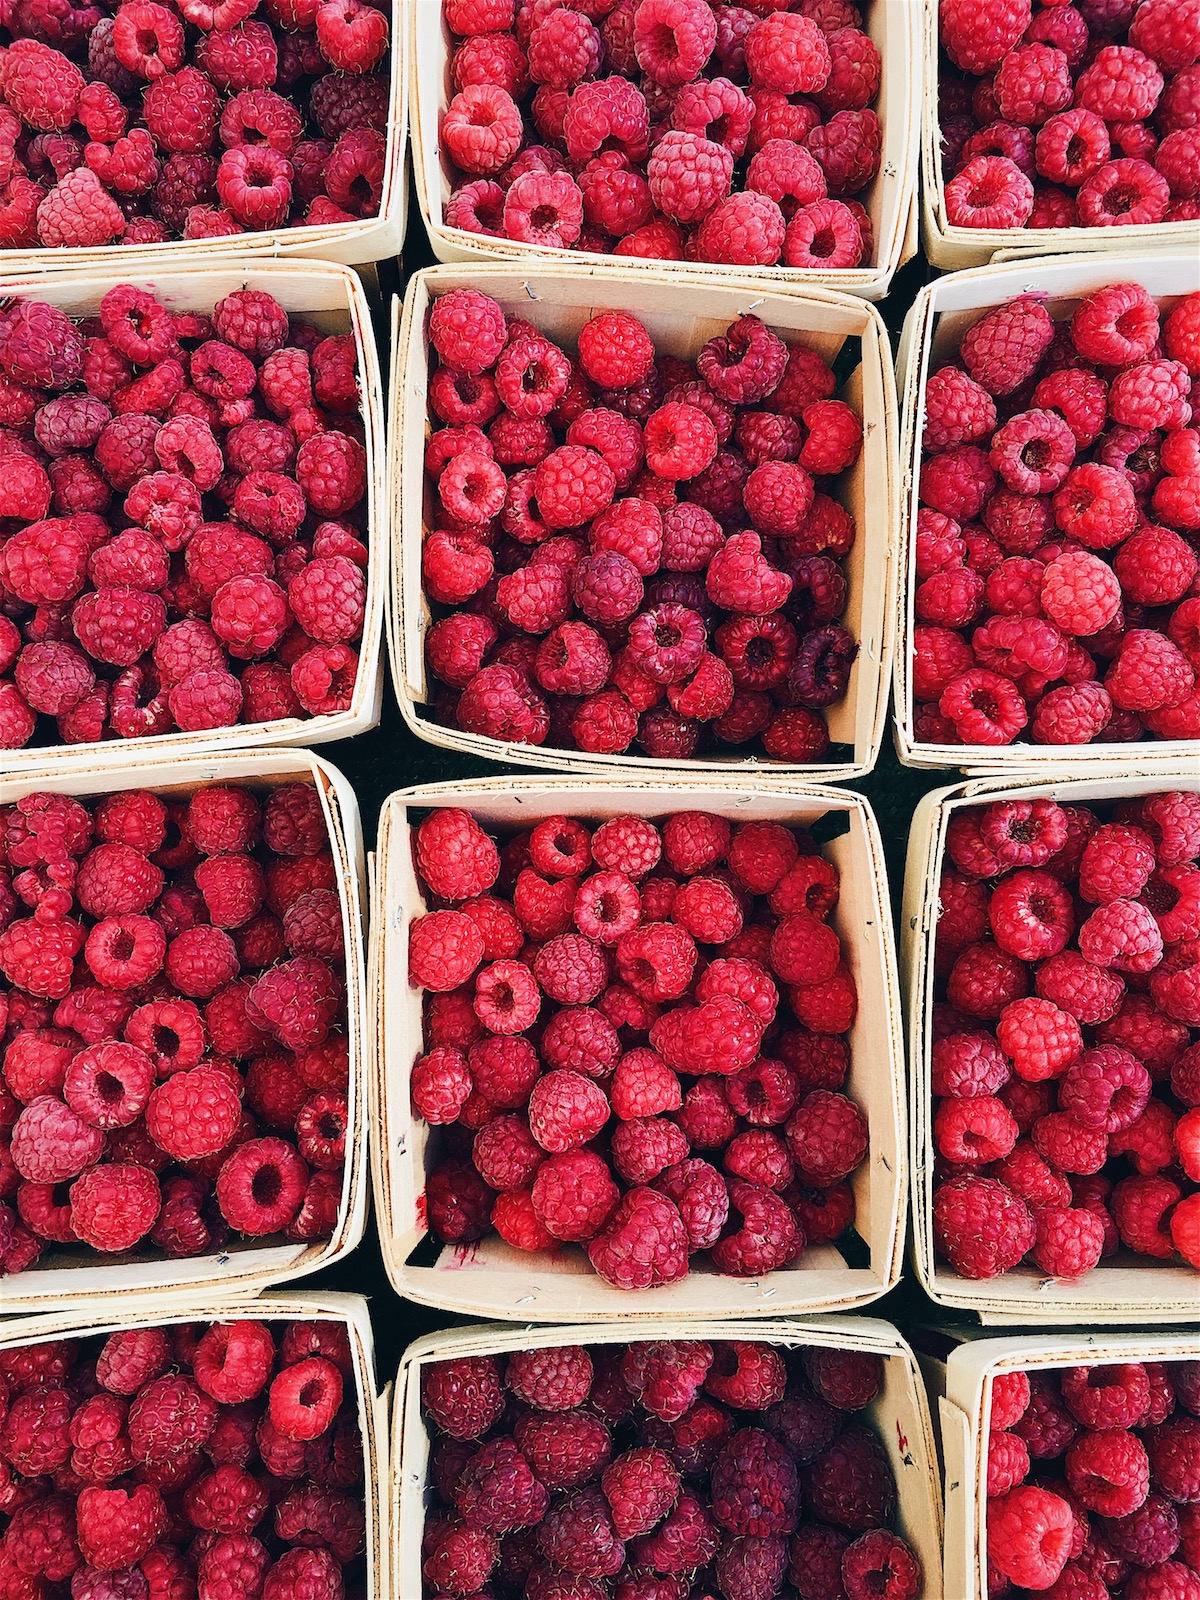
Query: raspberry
642,1244
1029,1535
114,1206
981,1227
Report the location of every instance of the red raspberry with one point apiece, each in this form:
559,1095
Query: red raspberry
641,1486
642,1244
978,40
1029,1535
574,1195
114,1206
673,39
981,1227
989,192
1003,349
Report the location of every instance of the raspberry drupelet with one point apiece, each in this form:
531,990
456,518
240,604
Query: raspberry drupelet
233,596
1065,1078
658,1069
595,584
1068,623
187,1079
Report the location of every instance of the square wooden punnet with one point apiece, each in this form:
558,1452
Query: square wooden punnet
492,1279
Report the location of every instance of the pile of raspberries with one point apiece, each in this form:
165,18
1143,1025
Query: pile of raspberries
635,549
633,1041
175,1066
1066,1056
1056,571
1060,115
661,1471
184,527
615,127
1093,1483
194,1461
139,122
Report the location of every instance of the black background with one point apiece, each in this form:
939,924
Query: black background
391,757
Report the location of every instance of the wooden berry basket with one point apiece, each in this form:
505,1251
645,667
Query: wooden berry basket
951,247
333,298
894,26
1125,1288
74,1280
940,315
349,1311
899,1413
491,1278
559,300
960,1382
363,240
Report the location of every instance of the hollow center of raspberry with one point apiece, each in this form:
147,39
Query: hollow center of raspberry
1120,199
121,946
543,218
984,701
607,908
1143,459
1128,324
986,193
165,1041
502,997
111,1090
266,1185
360,187
1041,910
643,971
1160,897
824,244
481,117
329,1127
667,636
1076,151
311,1393
533,378
1036,454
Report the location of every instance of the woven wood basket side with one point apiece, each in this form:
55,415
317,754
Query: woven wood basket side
899,1413
933,329
1124,1289
333,298
894,25
69,1283
951,247
964,1411
560,300
491,1279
